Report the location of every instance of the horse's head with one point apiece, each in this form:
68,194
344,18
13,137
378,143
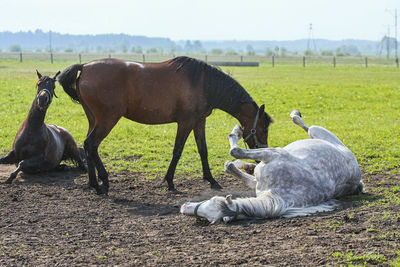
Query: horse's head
45,90
255,134
214,209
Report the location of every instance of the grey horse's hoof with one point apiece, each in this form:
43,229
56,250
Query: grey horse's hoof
295,112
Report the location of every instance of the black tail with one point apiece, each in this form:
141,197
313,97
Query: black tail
68,78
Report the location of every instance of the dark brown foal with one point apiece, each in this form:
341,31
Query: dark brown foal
182,90
39,147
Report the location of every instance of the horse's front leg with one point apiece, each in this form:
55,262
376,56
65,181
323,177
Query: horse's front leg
182,134
23,165
10,158
233,168
259,154
200,136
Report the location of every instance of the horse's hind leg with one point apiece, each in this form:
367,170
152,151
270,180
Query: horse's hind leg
296,117
233,168
315,132
91,144
200,136
72,151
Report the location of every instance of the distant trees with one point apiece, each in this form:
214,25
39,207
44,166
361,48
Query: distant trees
326,53
15,48
216,51
278,51
347,50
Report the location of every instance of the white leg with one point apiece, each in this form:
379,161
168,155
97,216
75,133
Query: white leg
232,168
318,132
296,117
260,154
315,132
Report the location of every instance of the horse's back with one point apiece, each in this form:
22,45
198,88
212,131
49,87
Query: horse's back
150,93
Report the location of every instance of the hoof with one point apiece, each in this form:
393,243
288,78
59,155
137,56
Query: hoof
228,166
295,112
216,186
172,188
102,190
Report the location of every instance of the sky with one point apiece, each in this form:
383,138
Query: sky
206,19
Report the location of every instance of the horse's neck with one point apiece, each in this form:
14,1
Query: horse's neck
247,115
35,118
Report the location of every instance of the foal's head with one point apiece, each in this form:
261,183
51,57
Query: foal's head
257,136
45,90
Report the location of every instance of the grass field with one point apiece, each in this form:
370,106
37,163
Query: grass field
360,105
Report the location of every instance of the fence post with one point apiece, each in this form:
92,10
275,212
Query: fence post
397,62
109,55
366,62
334,61
144,58
206,58
304,61
273,61
51,58
20,57
241,58
80,59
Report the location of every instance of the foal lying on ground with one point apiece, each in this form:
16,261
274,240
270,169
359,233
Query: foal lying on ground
37,146
300,179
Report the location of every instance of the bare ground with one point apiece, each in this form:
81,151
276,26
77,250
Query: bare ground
55,219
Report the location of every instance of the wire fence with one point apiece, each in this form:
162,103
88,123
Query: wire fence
273,61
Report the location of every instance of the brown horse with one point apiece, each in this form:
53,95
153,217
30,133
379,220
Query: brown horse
183,90
39,147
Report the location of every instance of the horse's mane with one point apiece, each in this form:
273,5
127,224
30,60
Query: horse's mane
266,206
221,90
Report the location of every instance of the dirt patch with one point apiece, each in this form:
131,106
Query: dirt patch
55,219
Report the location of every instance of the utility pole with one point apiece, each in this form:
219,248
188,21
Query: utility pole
311,39
395,33
388,43
50,42
395,30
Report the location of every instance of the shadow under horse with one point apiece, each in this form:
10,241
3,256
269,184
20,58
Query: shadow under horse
182,90
37,146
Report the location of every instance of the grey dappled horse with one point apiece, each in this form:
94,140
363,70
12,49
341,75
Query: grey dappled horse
300,179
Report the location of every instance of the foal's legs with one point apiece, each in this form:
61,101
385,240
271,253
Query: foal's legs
182,134
233,168
9,158
25,164
72,151
200,136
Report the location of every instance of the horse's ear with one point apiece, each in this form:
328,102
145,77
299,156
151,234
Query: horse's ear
262,108
38,74
55,76
229,199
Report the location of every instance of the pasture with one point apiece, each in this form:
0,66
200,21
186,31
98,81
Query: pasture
55,219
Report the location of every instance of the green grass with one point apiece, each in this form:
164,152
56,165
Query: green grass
360,105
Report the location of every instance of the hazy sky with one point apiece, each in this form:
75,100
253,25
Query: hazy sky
205,19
